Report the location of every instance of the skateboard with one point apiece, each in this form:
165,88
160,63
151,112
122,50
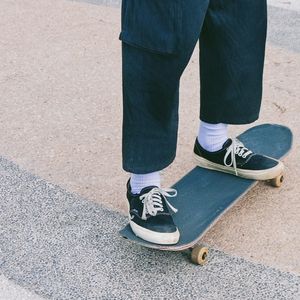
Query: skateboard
204,195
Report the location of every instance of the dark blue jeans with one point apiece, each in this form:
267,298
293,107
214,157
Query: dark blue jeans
158,38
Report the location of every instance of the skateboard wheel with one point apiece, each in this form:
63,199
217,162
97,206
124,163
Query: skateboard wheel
199,255
277,181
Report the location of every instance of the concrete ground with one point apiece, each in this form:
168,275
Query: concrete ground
62,198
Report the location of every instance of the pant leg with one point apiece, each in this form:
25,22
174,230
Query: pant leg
158,39
232,49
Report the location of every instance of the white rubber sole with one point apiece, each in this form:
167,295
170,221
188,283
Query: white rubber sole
249,174
155,237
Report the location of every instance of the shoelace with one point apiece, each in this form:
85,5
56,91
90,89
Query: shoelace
153,201
236,148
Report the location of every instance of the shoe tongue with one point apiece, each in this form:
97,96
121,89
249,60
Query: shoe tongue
227,143
147,189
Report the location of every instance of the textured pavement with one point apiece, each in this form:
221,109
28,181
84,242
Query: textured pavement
12,291
60,92
64,247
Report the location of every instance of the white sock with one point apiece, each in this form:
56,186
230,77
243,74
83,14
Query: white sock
212,136
139,181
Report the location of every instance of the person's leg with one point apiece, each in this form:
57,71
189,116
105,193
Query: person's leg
158,39
151,80
232,48
151,75
150,114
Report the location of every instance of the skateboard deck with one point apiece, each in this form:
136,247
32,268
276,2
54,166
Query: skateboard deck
203,195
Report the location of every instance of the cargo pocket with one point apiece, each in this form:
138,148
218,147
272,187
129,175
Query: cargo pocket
152,24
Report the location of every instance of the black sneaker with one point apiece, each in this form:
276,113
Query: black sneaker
150,217
235,158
